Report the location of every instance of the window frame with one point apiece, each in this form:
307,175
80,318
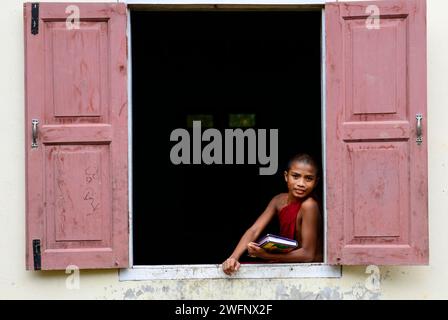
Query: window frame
213,271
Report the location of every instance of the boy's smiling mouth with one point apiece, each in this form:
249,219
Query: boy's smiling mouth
299,191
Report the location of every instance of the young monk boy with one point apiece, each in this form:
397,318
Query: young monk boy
299,218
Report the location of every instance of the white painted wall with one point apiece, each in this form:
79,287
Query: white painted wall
397,282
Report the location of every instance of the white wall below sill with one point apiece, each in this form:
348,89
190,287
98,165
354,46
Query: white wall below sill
247,271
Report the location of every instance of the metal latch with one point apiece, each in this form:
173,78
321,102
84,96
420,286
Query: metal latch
34,124
36,254
34,18
419,118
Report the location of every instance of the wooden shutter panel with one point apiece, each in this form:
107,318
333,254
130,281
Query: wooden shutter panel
76,177
376,172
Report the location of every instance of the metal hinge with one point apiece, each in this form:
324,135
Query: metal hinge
34,18
36,254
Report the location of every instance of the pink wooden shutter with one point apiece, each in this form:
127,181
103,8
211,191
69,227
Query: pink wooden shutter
376,172
76,87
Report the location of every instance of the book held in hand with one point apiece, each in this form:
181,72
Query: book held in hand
274,243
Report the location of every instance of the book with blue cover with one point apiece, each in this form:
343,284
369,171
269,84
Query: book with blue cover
278,244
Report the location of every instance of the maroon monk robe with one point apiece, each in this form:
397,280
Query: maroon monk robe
287,219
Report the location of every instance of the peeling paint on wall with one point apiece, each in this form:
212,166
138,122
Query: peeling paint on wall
241,289
358,292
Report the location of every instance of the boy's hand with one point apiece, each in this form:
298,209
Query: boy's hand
230,266
255,251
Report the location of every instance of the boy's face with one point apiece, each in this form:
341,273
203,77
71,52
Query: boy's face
301,179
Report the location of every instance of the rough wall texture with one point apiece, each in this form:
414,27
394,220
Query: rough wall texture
396,282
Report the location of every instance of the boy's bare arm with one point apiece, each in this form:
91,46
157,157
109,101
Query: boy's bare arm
231,264
309,238
255,230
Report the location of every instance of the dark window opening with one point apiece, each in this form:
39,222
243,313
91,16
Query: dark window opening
232,69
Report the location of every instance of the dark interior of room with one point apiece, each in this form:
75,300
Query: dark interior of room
263,65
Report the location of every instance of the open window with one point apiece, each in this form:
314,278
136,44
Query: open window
369,129
228,69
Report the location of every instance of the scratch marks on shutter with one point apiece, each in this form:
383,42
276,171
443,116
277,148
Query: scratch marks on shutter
91,174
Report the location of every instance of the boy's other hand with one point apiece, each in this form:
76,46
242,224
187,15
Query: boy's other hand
230,266
255,251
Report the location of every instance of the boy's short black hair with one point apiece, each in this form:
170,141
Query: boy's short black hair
304,158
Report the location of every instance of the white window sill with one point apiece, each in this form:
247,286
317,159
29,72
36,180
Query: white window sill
214,271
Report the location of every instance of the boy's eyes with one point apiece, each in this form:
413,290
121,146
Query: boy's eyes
307,178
